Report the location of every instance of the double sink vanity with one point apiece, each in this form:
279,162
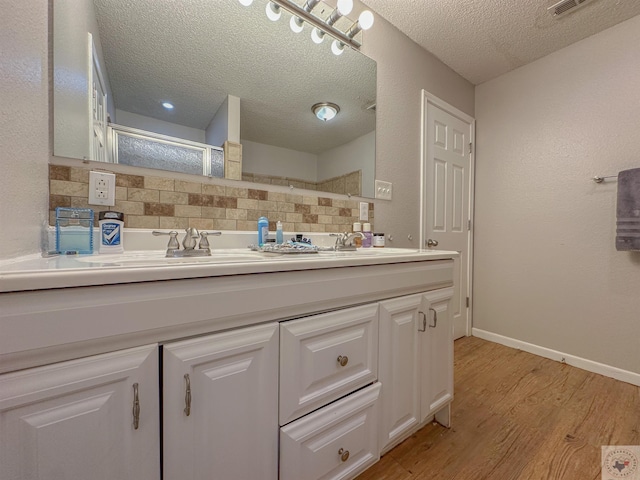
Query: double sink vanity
236,366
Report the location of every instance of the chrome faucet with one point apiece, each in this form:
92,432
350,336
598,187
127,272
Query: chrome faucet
344,241
189,243
191,238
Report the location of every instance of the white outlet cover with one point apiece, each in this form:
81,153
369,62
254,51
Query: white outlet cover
364,211
384,190
102,188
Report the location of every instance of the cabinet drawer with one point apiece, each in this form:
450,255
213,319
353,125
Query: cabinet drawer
336,442
325,357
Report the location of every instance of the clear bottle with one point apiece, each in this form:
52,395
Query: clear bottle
357,241
279,234
263,230
366,230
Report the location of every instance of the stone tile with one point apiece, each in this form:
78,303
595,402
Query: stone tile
133,181
83,202
287,228
143,195
219,190
310,200
174,223
59,201
236,214
236,192
286,207
72,189
258,194
188,211
309,218
294,217
188,187
333,211
201,200
247,204
59,172
256,214
225,202
301,227
214,212
79,175
291,198
333,228
296,184
310,186
222,224
267,205
176,198
279,181
129,208
300,208
276,196
345,212
201,223
326,219
314,227
233,171
142,221
318,210
122,193
159,183
162,209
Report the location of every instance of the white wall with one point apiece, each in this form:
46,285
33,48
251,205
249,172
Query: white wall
225,124
546,268
259,158
149,124
24,127
352,156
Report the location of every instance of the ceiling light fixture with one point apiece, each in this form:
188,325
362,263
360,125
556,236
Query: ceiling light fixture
325,111
167,105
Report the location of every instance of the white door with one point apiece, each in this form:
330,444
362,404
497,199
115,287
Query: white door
447,196
77,419
220,409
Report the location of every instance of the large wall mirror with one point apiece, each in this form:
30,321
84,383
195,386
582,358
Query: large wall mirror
117,61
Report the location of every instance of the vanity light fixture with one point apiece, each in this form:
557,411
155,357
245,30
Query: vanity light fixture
344,7
317,35
246,3
364,22
296,24
325,111
273,12
337,47
167,105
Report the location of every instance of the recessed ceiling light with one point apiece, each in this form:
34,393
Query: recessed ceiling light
167,105
325,111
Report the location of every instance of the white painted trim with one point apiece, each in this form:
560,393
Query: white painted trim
425,100
583,363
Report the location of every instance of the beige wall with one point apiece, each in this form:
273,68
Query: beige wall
24,126
403,70
546,268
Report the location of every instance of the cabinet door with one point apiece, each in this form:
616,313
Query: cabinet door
220,409
437,354
75,420
324,357
399,368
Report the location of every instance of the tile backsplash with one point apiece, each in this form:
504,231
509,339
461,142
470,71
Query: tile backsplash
151,201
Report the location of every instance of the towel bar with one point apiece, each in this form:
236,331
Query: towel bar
602,179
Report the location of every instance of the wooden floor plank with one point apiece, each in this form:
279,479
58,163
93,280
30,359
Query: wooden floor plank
518,416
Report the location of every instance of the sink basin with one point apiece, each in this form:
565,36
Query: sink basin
362,252
150,258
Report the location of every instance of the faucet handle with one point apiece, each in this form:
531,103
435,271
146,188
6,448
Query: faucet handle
204,242
173,239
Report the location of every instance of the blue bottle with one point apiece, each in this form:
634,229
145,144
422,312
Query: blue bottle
263,230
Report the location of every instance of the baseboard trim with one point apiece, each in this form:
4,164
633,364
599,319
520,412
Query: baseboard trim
579,362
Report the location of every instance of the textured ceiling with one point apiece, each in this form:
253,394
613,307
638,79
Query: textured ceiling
196,52
482,39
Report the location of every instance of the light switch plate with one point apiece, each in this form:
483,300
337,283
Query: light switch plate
364,211
384,190
102,188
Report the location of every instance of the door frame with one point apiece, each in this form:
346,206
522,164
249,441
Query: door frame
426,99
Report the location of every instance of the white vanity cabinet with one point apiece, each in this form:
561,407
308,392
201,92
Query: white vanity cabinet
96,417
416,363
220,406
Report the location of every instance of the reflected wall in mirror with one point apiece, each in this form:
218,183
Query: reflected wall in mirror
230,74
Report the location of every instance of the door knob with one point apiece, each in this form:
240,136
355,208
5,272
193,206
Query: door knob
432,243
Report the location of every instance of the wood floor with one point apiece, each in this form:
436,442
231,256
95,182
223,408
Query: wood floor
518,416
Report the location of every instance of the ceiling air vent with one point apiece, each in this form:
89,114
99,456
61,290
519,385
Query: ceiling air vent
563,7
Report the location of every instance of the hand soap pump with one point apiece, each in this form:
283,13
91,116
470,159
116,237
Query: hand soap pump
263,230
279,234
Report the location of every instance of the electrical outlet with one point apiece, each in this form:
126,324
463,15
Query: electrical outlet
102,188
364,211
383,190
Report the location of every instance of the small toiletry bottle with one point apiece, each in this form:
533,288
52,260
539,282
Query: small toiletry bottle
111,225
366,230
279,234
378,240
357,241
263,230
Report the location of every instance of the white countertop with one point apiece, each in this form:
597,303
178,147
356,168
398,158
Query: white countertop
38,273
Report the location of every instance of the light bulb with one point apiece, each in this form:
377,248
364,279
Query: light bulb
317,35
167,105
345,6
296,24
273,12
246,3
365,20
337,47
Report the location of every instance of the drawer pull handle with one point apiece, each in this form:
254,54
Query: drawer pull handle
343,360
344,454
424,322
435,319
136,407
187,395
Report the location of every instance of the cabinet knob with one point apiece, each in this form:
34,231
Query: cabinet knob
344,454
343,360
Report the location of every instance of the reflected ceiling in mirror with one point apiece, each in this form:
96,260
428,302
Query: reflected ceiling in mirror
196,53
